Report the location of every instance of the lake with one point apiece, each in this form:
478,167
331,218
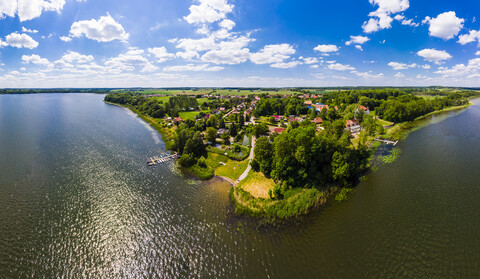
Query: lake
77,199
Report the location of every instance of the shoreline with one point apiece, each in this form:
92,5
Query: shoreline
401,131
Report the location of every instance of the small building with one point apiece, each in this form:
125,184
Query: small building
308,103
221,109
319,107
353,126
279,130
221,131
318,121
178,119
365,109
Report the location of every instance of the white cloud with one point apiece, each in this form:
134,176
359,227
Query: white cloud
340,67
472,36
381,18
229,52
368,75
65,39
25,30
273,54
326,48
72,56
471,70
161,54
477,53
426,67
359,47
19,41
405,21
128,61
445,26
399,75
208,11
105,29
29,9
286,65
401,66
35,59
310,60
357,40
227,24
433,55
193,68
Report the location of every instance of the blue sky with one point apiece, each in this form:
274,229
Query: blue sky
275,43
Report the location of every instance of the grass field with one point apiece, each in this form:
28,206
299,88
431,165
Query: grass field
257,185
232,169
188,115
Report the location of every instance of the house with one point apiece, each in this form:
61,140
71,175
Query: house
221,131
318,121
319,107
308,103
221,109
279,130
178,119
353,126
278,117
365,109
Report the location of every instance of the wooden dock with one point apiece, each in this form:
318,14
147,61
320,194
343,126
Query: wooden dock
164,158
394,143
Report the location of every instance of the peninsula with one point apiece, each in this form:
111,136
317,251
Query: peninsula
285,151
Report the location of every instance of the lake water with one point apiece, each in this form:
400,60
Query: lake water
78,200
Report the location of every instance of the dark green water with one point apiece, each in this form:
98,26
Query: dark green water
78,201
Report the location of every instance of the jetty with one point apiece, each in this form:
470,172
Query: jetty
394,143
164,158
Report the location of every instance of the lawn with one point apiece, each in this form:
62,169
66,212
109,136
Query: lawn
188,114
232,169
257,185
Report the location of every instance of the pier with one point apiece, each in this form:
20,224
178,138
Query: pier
164,158
394,143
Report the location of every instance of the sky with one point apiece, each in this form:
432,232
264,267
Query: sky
238,43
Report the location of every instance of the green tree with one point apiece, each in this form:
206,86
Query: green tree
211,134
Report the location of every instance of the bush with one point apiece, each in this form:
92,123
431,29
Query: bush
187,160
255,165
201,162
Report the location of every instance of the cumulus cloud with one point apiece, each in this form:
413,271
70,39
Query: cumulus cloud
445,26
35,59
404,21
19,41
161,54
326,48
193,68
129,61
471,70
367,75
286,65
340,67
357,40
26,30
309,60
65,39
399,75
29,9
72,56
105,29
273,54
433,55
381,18
401,66
229,52
208,11
469,38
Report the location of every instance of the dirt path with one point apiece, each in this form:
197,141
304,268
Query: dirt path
250,158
